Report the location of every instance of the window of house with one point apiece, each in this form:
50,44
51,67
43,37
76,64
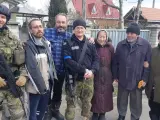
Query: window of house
94,11
108,12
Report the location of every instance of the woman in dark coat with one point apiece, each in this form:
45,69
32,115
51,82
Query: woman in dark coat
102,101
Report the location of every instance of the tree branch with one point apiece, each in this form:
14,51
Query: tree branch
113,6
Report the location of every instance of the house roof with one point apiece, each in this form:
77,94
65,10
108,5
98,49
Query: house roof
27,12
13,2
96,9
149,14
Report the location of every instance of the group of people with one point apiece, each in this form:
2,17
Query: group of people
89,67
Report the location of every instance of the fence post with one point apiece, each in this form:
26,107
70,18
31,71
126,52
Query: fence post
154,34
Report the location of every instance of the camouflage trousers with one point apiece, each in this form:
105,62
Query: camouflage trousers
84,92
13,106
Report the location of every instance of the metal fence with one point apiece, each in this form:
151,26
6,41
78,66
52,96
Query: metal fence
117,35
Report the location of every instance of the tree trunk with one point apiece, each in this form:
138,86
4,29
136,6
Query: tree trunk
138,11
121,20
120,8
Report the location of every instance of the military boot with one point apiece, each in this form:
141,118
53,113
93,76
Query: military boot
48,114
55,111
121,117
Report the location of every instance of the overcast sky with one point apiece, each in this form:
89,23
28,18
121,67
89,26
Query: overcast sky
128,4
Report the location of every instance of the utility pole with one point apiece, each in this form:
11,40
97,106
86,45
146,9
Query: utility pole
84,9
153,5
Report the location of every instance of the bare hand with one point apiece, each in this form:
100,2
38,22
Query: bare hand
88,74
146,64
21,81
91,40
116,80
2,82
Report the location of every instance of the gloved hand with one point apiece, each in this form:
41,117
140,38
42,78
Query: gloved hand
141,84
2,82
21,81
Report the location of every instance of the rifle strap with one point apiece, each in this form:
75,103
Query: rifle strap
81,55
83,52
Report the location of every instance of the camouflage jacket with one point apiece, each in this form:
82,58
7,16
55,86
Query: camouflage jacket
8,43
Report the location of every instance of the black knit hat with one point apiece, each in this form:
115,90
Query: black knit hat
133,28
5,11
79,22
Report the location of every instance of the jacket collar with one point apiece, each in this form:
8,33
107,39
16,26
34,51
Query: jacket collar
77,40
33,40
99,46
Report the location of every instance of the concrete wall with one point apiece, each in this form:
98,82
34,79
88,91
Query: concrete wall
154,29
13,26
20,32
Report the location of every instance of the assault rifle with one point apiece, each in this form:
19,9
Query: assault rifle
7,74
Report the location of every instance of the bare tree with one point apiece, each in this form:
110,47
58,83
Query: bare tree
138,11
120,8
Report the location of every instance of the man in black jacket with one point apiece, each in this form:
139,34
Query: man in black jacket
84,70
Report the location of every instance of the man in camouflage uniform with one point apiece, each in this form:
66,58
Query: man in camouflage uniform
9,43
82,72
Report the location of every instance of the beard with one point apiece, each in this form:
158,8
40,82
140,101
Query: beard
61,29
39,35
131,40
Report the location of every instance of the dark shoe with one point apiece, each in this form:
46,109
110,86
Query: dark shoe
95,116
121,117
48,114
57,115
55,111
153,116
102,117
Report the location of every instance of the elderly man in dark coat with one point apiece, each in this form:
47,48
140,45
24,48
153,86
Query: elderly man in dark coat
153,85
129,70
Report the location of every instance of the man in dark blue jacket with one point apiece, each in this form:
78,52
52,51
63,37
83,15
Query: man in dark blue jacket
131,67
